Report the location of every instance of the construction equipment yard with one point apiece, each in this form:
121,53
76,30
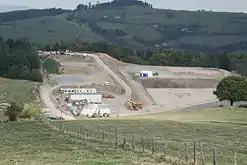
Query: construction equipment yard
170,88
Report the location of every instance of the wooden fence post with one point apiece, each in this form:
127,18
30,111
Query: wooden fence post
202,154
235,158
98,130
165,151
133,143
153,146
194,152
79,132
116,138
143,147
214,156
63,127
87,133
83,134
124,141
103,135
186,153
60,127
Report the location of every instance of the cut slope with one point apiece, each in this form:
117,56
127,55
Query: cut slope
47,30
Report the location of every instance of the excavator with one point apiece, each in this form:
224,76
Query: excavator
133,105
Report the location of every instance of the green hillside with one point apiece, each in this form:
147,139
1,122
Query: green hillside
48,29
131,23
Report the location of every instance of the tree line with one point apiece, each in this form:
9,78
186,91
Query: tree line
228,61
19,60
114,3
27,14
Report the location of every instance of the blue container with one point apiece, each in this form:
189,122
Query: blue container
142,75
145,75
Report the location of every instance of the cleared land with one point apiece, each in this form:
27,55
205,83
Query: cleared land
34,143
83,71
169,78
225,127
175,87
174,98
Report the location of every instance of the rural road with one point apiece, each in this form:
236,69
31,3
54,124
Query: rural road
138,92
50,109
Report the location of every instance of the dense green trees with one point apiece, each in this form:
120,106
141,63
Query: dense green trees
13,111
22,111
27,14
232,62
232,88
19,60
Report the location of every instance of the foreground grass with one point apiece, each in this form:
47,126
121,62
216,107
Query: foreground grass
225,128
20,91
227,115
30,142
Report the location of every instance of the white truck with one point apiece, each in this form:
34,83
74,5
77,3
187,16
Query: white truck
92,110
104,112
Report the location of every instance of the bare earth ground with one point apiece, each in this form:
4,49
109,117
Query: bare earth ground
200,81
176,98
175,87
82,72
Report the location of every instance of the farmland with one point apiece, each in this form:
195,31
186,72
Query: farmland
225,126
221,127
32,142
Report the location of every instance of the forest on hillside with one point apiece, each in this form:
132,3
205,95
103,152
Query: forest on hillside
236,62
131,23
19,60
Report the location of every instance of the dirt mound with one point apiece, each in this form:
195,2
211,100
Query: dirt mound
179,83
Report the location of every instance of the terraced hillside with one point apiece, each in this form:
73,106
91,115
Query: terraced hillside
132,23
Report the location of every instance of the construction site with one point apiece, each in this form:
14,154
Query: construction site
113,88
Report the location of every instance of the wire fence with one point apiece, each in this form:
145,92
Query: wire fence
186,153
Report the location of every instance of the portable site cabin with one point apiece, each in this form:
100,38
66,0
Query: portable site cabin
78,90
146,74
91,98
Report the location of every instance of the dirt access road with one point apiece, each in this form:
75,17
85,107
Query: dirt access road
138,92
46,89
50,108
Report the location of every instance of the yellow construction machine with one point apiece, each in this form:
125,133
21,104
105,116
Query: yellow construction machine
133,105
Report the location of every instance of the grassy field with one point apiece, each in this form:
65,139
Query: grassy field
34,143
20,91
223,128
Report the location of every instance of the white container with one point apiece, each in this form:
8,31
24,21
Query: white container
91,98
148,73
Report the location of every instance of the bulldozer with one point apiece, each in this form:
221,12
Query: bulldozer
133,105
